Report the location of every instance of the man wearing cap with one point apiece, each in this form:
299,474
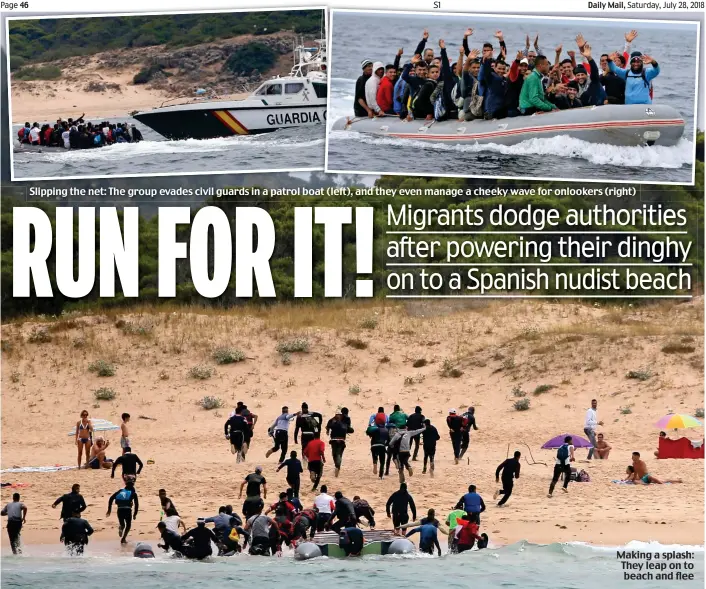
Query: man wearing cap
455,423
532,96
253,500
637,78
360,106
590,92
516,78
171,539
201,537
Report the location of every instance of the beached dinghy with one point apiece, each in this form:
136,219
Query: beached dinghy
296,100
628,125
381,542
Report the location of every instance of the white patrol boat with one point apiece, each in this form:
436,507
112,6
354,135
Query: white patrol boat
295,100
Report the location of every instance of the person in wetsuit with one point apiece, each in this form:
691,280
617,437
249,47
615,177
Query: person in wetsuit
171,540
238,432
510,471
343,512
253,501
201,538
398,506
129,462
71,502
309,424
75,533
124,499
351,540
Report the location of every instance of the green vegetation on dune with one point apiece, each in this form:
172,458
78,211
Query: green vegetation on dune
253,56
49,39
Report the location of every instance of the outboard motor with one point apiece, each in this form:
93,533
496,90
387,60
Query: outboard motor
143,550
307,551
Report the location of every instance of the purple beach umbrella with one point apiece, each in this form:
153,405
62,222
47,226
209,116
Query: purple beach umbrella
577,441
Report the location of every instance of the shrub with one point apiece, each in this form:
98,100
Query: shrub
299,344
135,328
385,360
146,74
419,363
449,370
201,372
253,56
543,388
354,389
163,375
15,376
16,62
408,380
357,344
104,394
518,392
286,359
529,334
508,363
678,348
369,323
209,402
39,335
521,405
625,410
102,368
227,356
699,412
642,374
44,72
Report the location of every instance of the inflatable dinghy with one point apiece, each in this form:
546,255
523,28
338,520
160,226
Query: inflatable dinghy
625,125
379,543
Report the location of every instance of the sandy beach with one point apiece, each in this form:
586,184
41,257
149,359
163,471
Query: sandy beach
584,351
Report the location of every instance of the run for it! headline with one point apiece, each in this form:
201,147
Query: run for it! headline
248,244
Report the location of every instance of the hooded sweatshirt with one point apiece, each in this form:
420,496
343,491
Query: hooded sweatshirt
405,438
371,88
385,98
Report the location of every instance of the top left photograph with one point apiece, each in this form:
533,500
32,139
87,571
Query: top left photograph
161,94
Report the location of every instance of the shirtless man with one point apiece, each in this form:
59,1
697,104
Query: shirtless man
602,449
124,434
647,479
638,465
84,435
97,458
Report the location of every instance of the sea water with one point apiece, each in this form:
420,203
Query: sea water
284,149
378,36
522,565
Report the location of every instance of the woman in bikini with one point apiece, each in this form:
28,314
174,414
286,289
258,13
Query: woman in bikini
84,436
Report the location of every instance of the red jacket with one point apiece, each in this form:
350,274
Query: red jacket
384,95
468,533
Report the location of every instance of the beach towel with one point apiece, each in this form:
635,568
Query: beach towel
631,483
99,425
55,468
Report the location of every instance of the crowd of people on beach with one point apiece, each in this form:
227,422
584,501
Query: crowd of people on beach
488,84
395,439
77,134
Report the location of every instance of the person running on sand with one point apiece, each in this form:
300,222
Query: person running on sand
314,454
97,457
294,470
602,447
309,424
397,508
510,471
253,500
75,533
564,458
16,513
430,437
70,502
84,436
124,433
124,498
166,502
237,432
279,430
647,479
129,462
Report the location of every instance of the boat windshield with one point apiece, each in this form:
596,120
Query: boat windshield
269,89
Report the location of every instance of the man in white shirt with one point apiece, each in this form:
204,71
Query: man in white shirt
325,504
564,458
590,424
279,430
34,133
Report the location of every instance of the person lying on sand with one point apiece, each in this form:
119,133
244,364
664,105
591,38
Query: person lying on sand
97,458
647,479
602,449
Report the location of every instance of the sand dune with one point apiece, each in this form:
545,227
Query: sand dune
584,351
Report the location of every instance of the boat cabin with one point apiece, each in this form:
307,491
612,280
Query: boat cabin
284,90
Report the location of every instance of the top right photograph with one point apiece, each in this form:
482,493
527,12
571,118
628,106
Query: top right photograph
512,96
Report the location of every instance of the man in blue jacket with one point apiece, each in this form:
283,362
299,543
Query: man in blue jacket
495,88
637,78
472,503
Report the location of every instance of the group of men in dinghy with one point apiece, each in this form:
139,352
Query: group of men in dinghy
78,134
485,84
